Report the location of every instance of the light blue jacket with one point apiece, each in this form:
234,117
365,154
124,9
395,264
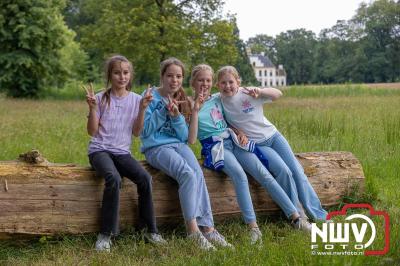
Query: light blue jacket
159,127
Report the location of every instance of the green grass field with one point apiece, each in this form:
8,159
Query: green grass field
364,121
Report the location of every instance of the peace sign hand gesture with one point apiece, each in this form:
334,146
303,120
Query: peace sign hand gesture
253,92
90,97
147,98
199,100
172,107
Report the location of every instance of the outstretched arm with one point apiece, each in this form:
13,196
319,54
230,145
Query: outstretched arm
256,92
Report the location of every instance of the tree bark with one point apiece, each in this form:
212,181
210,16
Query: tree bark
46,199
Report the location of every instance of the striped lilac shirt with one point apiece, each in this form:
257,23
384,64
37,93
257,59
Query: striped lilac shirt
116,124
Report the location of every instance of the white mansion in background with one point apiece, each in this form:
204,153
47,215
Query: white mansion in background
265,71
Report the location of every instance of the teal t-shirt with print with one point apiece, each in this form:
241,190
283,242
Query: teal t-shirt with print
211,118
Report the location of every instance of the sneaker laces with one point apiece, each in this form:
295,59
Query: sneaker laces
216,238
201,241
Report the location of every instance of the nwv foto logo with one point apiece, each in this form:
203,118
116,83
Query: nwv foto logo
339,235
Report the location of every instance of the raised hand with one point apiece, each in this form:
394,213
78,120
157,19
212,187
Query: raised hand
147,98
90,97
199,100
172,107
253,92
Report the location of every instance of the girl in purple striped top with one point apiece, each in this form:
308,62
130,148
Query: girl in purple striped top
114,115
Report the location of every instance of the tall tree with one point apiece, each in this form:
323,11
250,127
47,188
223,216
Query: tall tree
295,50
263,43
243,64
338,57
380,21
149,31
32,36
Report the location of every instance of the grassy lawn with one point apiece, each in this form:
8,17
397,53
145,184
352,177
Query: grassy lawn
355,118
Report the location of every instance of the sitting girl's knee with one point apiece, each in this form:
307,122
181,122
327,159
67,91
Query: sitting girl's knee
187,177
113,180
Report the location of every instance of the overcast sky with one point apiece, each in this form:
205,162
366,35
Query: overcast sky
272,17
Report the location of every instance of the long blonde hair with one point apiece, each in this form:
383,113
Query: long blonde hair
108,68
180,95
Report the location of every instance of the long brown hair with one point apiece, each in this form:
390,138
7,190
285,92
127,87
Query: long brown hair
108,68
180,95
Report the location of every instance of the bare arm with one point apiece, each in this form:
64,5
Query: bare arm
93,121
193,127
139,122
271,93
256,92
194,118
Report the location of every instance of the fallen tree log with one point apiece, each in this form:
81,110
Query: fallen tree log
42,198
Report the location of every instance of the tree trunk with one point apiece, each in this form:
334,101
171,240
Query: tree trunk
44,198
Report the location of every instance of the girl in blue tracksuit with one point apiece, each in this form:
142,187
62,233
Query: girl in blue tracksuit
164,137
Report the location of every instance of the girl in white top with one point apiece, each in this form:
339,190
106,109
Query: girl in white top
244,110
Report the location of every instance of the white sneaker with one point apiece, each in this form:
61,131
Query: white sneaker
155,238
255,236
103,243
301,224
201,241
217,239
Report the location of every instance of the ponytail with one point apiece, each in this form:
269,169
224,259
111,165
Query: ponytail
184,108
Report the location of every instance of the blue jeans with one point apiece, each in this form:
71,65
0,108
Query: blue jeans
281,159
178,161
236,161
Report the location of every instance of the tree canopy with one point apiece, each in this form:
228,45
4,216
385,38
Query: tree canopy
148,32
365,48
46,42
34,41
